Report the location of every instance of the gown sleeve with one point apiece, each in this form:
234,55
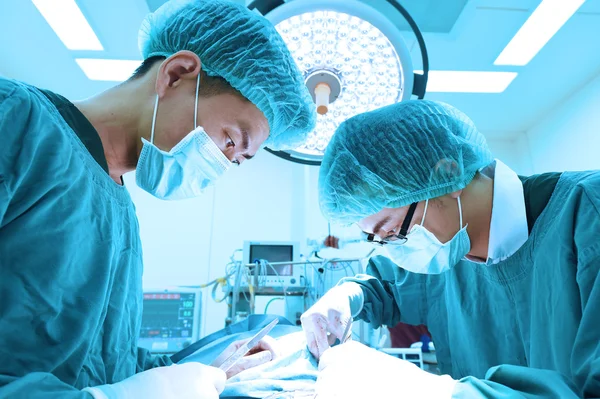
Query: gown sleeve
391,294
147,361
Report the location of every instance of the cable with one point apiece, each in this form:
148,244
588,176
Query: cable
270,301
220,283
343,266
236,289
276,274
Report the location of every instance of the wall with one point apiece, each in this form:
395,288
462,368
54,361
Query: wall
514,152
568,138
189,242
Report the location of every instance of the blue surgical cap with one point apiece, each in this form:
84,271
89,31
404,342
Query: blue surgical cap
243,48
403,153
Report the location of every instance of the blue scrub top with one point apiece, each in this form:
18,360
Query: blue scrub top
70,256
528,327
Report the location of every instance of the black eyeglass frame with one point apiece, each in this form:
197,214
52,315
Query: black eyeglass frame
402,236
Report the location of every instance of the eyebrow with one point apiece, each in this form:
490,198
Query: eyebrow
380,224
245,139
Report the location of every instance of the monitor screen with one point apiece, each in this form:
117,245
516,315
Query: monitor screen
274,253
168,315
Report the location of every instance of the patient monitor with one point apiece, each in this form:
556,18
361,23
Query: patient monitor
274,272
170,319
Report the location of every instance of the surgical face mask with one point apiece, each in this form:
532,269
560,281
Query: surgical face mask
185,171
424,253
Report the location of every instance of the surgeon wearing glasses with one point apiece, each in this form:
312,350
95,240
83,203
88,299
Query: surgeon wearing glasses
503,269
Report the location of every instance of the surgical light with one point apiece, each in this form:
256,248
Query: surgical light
353,59
336,50
69,24
539,28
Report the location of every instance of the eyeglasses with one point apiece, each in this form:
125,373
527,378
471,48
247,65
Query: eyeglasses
395,239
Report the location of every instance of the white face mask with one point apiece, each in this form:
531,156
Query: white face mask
185,171
424,253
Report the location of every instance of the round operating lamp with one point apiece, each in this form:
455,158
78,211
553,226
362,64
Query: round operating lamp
353,59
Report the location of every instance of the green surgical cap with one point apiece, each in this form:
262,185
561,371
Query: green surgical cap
243,48
403,153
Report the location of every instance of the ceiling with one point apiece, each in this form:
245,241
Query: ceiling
460,35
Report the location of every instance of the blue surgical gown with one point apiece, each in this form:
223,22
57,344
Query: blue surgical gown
70,259
528,327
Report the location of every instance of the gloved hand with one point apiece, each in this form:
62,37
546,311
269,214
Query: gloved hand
264,352
353,370
331,314
179,381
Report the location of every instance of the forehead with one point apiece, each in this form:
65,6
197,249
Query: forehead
238,112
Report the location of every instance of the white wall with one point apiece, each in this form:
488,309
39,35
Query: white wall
189,242
568,138
514,152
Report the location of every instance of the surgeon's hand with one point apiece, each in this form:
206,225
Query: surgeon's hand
330,315
265,351
179,381
353,370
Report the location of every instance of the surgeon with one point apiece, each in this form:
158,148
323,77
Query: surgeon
217,83
503,269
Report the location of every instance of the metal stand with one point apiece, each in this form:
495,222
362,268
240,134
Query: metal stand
242,299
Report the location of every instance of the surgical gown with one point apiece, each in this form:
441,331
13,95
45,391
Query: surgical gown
70,259
528,327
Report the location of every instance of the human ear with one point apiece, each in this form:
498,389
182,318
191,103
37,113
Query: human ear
446,168
175,69
455,194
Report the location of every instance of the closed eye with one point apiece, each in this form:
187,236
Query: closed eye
230,143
